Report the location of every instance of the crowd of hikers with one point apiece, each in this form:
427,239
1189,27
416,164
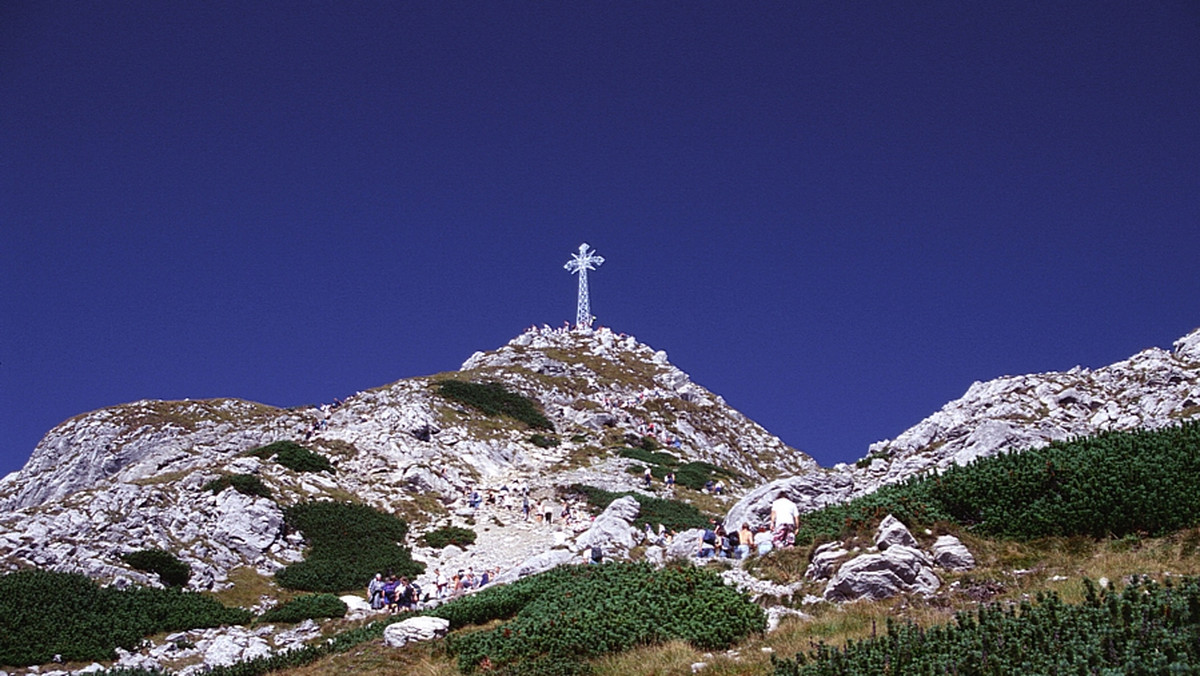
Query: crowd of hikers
398,594
785,522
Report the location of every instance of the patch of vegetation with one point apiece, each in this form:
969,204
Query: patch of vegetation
494,399
293,456
309,606
1147,628
43,614
543,441
871,457
349,543
246,484
450,535
670,513
579,438
574,613
171,571
649,456
1112,484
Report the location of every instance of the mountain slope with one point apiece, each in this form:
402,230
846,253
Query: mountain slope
130,477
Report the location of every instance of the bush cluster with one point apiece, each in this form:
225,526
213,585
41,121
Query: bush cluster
246,484
694,475
43,614
1145,629
1111,484
670,513
542,441
574,613
450,535
293,456
171,571
495,399
349,543
309,606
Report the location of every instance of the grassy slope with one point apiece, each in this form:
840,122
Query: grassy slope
1013,569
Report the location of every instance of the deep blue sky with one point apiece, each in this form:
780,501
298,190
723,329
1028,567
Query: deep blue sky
835,215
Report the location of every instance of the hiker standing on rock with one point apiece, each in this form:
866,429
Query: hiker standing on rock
785,521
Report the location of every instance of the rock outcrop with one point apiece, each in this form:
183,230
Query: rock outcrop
413,629
899,568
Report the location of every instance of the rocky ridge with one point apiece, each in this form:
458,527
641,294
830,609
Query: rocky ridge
1152,389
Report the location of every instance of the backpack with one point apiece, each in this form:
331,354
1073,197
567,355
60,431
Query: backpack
597,553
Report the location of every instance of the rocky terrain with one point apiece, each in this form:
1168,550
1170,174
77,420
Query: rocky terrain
131,477
1149,390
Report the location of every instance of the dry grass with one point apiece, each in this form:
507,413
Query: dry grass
1008,571
376,659
249,587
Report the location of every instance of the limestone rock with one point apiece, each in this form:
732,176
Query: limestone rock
810,491
537,564
825,560
950,553
685,544
613,529
892,532
423,628
898,569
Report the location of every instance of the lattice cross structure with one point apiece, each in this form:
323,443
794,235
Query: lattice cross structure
580,263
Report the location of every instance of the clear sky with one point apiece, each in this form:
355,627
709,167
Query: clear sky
835,215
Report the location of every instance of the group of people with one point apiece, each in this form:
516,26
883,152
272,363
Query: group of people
394,594
785,522
461,582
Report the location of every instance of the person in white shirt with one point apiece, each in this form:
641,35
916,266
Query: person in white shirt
785,521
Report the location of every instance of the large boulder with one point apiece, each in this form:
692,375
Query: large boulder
613,530
810,491
950,553
423,628
685,544
897,569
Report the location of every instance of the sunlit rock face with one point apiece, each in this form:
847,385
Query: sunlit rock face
1153,388
133,476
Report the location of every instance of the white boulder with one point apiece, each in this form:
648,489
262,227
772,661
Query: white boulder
950,553
423,628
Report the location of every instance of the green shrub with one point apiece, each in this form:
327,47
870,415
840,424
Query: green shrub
349,543
495,399
1112,484
581,612
579,438
43,614
450,535
670,513
171,571
543,441
309,606
293,456
1147,628
246,484
649,457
